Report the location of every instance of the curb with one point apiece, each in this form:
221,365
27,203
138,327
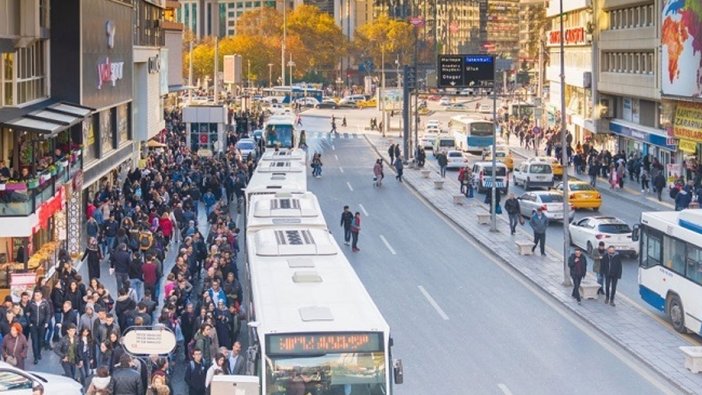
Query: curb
534,283
645,203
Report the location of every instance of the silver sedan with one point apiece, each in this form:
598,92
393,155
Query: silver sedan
550,202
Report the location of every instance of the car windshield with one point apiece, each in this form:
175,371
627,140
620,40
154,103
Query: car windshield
446,143
540,169
245,146
279,135
581,187
455,155
617,229
10,381
551,198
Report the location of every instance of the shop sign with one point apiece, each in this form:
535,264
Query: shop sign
20,283
687,146
688,121
573,36
109,72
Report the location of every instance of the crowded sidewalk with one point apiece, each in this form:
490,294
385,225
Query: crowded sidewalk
627,324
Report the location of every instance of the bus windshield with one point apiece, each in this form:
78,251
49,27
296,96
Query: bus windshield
279,135
481,129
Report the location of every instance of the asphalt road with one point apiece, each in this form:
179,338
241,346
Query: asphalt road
461,322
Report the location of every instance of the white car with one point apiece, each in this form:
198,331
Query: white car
428,138
433,124
587,233
246,147
15,381
533,173
455,159
467,92
444,101
551,203
485,109
307,102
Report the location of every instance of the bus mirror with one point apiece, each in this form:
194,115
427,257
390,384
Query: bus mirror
391,342
635,233
398,372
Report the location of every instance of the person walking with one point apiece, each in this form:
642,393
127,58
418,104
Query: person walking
443,162
397,151
378,173
101,383
39,318
539,223
68,351
578,268
126,380
498,198
398,167
317,165
659,184
514,212
196,374
611,266
15,347
346,220
355,230
597,255
644,181
391,153
94,255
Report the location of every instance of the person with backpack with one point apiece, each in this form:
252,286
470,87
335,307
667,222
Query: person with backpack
196,374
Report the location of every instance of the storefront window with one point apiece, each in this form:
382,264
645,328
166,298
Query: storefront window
106,132
89,145
123,122
203,136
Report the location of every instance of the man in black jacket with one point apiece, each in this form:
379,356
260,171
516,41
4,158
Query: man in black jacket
513,210
195,374
68,316
119,263
125,380
611,266
578,268
40,316
346,219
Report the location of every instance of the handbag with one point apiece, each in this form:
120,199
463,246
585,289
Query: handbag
498,209
11,359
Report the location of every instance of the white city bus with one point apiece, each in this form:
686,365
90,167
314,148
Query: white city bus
670,265
280,131
283,155
269,179
313,324
284,208
472,135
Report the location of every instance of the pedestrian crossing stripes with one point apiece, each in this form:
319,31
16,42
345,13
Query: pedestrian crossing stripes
332,136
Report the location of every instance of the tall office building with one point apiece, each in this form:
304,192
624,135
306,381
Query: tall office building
216,17
532,17
499,19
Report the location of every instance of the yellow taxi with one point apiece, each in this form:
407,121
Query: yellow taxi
503,155
582,195
370,103
555,165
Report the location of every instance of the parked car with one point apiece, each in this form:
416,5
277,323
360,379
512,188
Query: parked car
551,203
307,102
327,103
455,159
582,195
482,171
533,173
587,233
16,381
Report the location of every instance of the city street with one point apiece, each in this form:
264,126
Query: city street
449,303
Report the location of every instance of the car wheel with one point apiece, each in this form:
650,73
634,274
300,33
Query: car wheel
596,209
589,248
676,313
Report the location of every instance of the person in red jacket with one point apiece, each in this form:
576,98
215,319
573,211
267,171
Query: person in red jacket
355,230
166,226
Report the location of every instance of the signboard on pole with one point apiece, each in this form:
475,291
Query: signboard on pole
461,71
232,69
147,340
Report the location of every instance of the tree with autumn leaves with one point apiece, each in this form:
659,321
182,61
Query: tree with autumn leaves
315,42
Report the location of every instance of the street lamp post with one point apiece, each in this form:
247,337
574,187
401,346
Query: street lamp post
291,64
564,156
270,75
282,46
248,74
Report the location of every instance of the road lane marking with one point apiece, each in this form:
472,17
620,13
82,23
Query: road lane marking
348,184
336,157
505,390
333,148
392,251
365,213
433,303
341,169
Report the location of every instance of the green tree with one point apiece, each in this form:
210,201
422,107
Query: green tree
393,36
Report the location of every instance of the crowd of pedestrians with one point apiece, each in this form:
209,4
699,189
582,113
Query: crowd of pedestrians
132,230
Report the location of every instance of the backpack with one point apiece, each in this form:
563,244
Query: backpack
674,192
145,240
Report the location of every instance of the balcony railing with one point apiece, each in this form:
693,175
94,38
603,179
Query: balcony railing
22,198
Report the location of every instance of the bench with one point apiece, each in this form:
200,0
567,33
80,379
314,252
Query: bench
693,358
524,247
438,184
588,289
483,218
458,199
425,173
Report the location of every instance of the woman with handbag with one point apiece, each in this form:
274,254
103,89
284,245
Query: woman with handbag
15,347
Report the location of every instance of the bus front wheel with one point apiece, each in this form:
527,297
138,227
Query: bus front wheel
676,313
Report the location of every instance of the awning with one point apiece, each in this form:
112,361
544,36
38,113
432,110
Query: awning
155,144
50,120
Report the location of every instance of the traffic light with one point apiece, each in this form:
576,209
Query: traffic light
409,78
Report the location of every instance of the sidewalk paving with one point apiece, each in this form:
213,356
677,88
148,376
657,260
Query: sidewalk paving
626,324
631,191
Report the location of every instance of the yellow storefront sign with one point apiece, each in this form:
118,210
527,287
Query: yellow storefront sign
687,146
688,122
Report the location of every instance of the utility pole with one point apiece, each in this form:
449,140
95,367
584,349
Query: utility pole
216,69
564,156
381,96
190,72
282,47
270,74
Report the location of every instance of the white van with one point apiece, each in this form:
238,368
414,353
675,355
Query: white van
482,173
444,143
351,101
533,173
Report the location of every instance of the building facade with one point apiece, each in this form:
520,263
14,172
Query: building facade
499,19
205,18
532,17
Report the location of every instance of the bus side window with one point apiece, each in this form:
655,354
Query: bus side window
694,264
674,255
652,248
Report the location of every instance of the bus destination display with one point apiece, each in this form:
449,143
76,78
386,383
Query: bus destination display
322,343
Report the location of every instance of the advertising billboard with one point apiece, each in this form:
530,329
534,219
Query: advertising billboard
681,48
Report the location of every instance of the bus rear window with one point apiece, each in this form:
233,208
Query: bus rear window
501,171
446,143
540,169
481,129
